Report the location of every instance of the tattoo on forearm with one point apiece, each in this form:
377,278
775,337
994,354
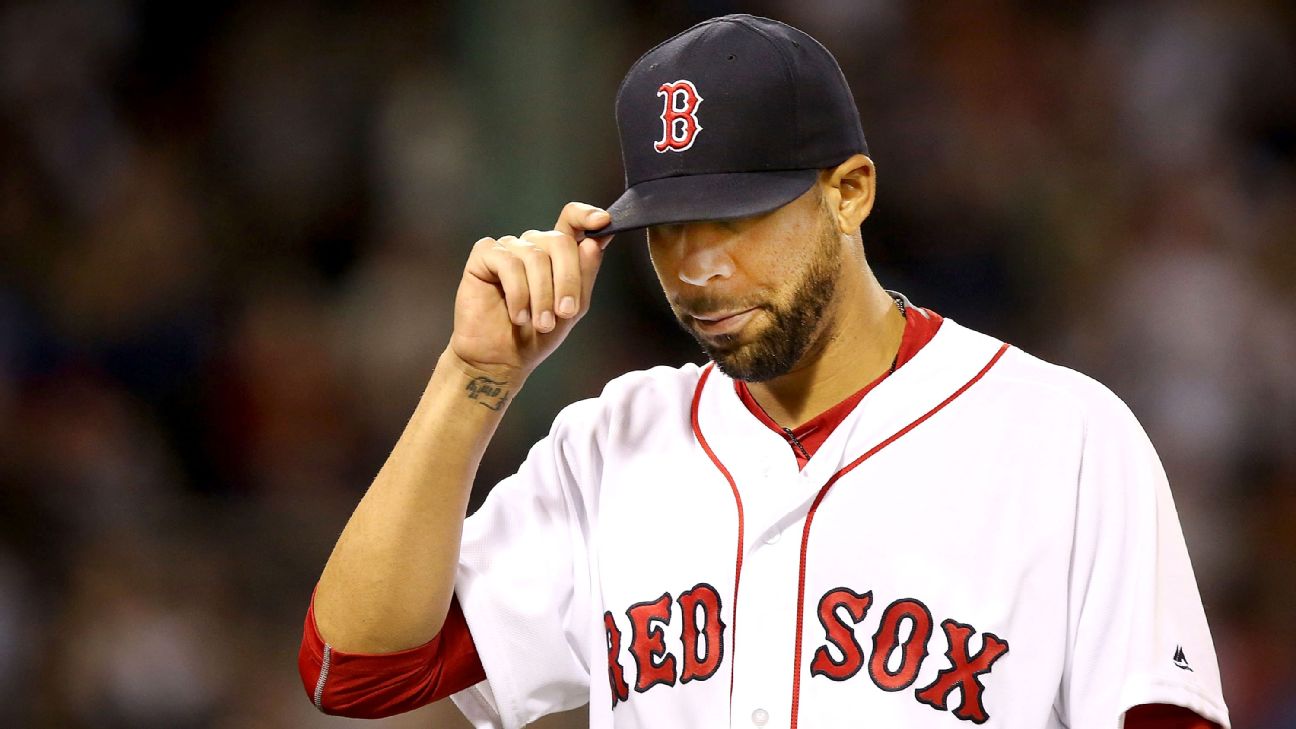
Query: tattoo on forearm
490,393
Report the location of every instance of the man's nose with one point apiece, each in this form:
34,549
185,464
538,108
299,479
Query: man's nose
704,255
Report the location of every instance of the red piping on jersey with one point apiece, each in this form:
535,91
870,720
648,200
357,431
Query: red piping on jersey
697,433
921,325
805,532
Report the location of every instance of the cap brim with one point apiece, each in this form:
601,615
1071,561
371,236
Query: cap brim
718,196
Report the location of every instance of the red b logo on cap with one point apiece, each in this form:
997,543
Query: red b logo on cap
679,116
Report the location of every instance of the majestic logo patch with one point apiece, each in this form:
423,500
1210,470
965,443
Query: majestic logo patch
680,125
1180,660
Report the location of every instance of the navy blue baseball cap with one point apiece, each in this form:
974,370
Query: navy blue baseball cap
731,118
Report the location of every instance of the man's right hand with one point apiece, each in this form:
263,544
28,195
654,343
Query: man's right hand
519,296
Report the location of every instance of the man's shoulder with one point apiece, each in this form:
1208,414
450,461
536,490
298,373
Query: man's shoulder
639,399
1022,377
663,383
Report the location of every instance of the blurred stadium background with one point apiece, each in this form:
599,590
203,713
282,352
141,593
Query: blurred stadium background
230,236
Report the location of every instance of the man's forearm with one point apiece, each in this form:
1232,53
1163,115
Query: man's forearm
387,585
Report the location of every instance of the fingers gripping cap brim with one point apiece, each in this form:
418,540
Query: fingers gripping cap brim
720,196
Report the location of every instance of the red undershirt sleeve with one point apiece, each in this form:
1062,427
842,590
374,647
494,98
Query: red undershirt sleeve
1165,716
376,685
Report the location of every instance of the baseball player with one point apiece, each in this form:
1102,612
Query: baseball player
857,512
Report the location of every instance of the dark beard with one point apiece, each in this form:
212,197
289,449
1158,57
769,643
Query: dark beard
792,329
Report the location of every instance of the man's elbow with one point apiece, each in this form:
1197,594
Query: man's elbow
374,686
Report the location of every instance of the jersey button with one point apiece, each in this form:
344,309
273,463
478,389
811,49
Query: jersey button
760,717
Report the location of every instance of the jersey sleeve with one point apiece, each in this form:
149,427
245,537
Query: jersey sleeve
524,580
1136,626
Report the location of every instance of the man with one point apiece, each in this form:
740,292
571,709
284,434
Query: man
860,512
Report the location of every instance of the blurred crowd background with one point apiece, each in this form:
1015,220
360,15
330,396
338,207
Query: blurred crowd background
230,236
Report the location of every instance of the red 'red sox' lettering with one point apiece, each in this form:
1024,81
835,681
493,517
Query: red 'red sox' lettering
648,643
702,637
708,629
893,663
840,634
964,673
616,674
912,651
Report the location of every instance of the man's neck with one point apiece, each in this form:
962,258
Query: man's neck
858,345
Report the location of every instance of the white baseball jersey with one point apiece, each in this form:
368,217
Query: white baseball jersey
985,539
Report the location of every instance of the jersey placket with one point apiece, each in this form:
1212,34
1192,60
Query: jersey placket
766,602
765,475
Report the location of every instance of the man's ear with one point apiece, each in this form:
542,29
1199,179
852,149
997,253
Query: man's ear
849,191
